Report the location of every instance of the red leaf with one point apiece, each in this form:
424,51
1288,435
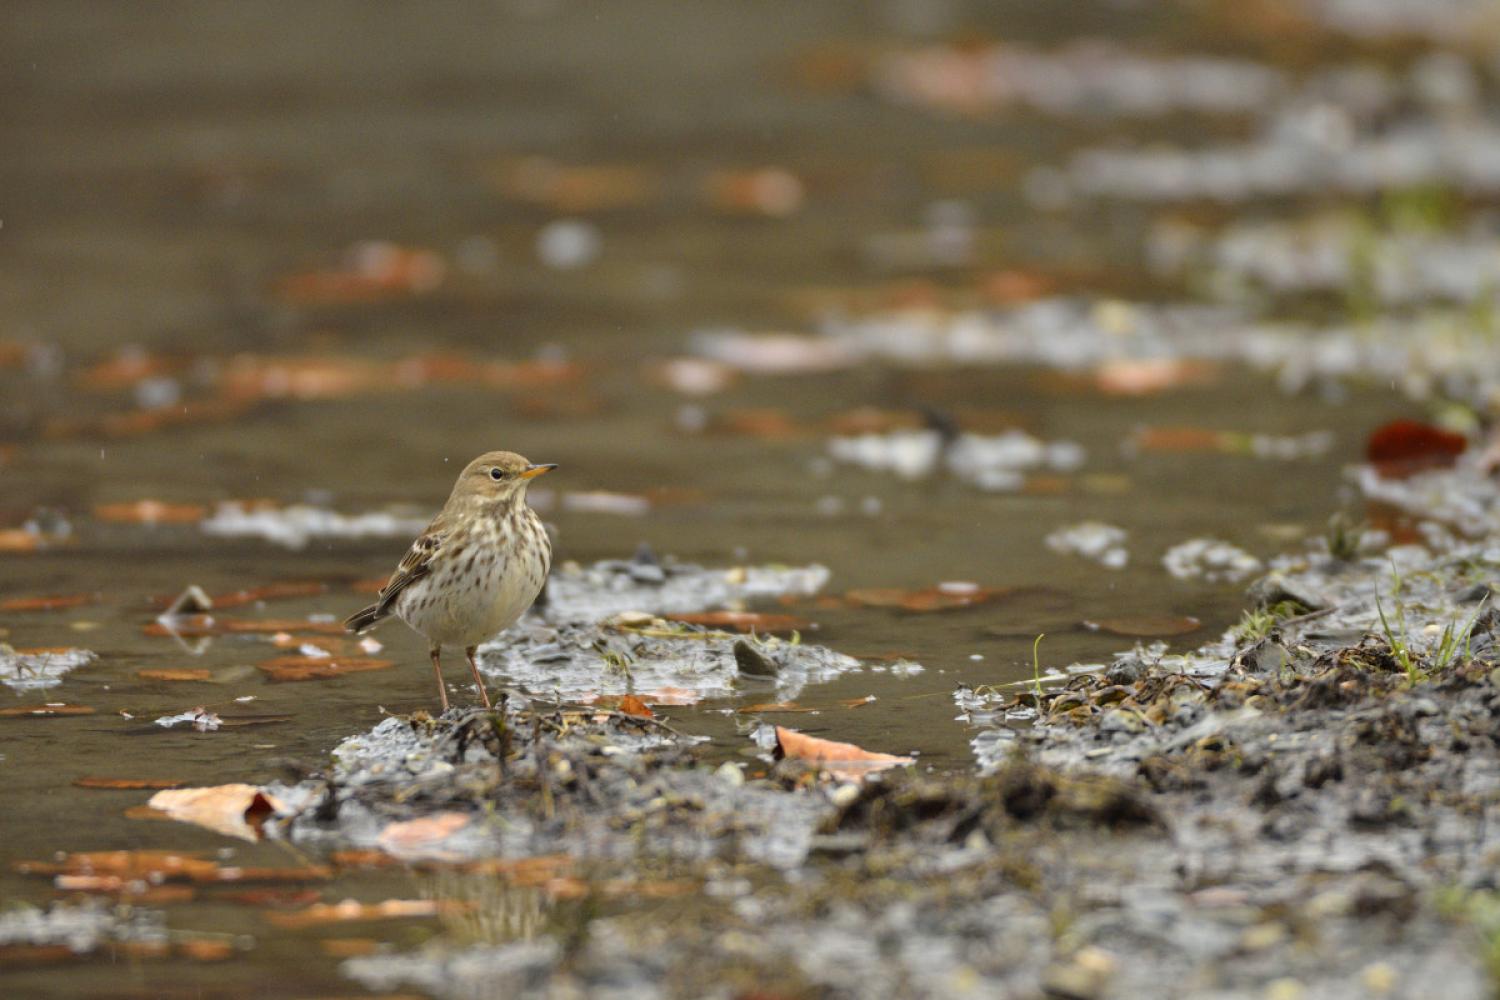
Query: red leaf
1403,448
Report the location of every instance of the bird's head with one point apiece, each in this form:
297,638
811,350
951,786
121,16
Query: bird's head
497,477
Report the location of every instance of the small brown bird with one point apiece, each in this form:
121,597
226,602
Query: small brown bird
475,569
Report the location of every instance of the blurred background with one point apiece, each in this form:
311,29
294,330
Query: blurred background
1087,306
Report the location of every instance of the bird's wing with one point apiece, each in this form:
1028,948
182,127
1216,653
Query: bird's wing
416,564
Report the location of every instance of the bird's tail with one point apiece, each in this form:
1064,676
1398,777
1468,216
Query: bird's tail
366,619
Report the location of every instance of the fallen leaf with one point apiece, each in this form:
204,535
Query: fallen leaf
372,271
349,947
92,781
274,897
844,761
204,949
633,705
52,603
150,512
1179,439
174,675
948,596
235,810
19,955
308,668
49,709
778,706
19,540
857,702
419,837
743,621
1403,448
350,910
771,191
1147,376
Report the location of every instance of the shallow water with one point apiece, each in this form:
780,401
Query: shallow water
162,172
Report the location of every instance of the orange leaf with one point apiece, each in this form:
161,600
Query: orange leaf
53,603
1403,448
842,760
307,668
632,705
174,675
421,835
90,781
19,540
151,512
350,910
235,810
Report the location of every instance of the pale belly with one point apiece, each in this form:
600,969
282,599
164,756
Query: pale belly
459,606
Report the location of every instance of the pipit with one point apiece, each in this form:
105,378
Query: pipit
475,569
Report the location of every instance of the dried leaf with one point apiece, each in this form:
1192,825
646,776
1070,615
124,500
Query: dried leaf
42,711
373,271
309,668
1403,448
349,947
52,603
350,910
1147,376
947,596
235,810
92,781
777,706
174,675
270,592
150,512
844,761
19,540
420,837
205,949
633,705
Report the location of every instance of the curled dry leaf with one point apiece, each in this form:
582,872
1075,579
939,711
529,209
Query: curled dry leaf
844,761
1147,626
776,706
235,810
633,705
311,668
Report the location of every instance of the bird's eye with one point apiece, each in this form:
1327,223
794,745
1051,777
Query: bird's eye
496,475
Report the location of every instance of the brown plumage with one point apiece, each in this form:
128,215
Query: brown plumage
475,569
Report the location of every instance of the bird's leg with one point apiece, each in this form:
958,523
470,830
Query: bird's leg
437,668
478,681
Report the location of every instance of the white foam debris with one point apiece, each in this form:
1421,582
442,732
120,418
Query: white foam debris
1337,253
1211,560
199,718
1088,78
991,462
1103,543
296,525
37,671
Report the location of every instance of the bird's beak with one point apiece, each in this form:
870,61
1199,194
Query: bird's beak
532,471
